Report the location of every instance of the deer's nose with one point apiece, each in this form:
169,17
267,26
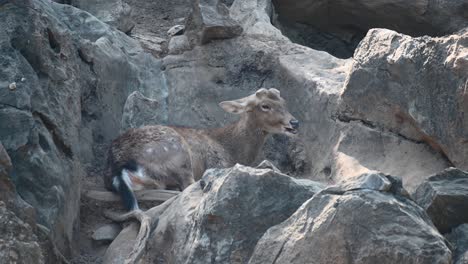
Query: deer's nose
294,123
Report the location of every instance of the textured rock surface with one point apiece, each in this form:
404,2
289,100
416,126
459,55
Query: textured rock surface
210,20
18,244
140,110
51,121
107,232
414,87
459,239
360,226
444,196
116,13
220,219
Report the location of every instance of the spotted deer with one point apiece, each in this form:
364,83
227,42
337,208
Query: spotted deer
159,157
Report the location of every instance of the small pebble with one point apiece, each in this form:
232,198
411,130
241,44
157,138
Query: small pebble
12,86
23,79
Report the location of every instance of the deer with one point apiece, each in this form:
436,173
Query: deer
160,157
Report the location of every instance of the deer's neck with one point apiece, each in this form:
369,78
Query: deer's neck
242,140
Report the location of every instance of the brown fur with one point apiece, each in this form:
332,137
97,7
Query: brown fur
175,156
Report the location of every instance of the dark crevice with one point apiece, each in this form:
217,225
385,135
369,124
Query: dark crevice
11,106
432,145
337,27
54,44
52,128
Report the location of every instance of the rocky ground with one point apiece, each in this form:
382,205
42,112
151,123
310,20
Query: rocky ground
376,174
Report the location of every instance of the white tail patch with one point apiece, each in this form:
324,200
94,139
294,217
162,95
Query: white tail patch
135,180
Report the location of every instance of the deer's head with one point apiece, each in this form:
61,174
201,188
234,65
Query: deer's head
267,109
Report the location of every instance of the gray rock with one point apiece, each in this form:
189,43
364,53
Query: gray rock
176,30
18,243
140,110
371,181
360,226
363,149
444,196
107,232
220,218
116,13
68,100
459,239
178,44
151,43
209,21
392,86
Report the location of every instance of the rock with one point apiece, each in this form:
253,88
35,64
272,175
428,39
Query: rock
444,196
107,232
371,181
140,110
392,86
176,30
119,249
18,243
151,43
116,13
178,44
220,218
70,102
210,20
357,226
459,239
362,149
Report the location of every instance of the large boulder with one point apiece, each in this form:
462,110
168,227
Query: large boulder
220,218
444,196
367,221
414,88
63,84
209,21
459,239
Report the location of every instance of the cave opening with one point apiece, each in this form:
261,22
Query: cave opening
337,27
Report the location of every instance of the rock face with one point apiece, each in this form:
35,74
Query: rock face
220,218
116,13
371,223
444,196
459,239
18,244
414,87
52,120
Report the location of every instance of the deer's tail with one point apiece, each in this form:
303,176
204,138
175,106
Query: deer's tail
122,184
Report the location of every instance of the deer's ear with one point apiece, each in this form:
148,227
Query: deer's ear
235,107
261,92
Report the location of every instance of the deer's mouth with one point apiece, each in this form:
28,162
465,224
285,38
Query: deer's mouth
291,130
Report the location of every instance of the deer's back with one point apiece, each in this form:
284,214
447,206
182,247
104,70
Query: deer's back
160,150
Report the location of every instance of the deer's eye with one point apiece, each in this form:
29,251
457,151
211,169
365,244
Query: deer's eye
266,107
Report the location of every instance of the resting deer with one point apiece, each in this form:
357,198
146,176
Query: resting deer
159,157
